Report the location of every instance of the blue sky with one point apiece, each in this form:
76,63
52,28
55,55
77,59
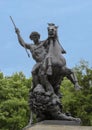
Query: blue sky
74,18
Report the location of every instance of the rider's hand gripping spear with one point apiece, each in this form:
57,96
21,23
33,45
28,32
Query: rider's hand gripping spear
17,31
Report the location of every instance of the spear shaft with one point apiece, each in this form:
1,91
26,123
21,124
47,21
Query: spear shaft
15,30
13,22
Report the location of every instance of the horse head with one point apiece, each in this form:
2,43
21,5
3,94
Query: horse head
52,30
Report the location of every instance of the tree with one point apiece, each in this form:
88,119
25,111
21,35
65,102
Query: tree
14,109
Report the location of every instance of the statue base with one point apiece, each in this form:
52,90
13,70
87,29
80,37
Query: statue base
57,125
59,122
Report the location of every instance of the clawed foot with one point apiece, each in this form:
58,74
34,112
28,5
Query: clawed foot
62,116
77,119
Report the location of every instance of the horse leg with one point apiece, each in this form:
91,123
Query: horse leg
72,77
49,65
57,87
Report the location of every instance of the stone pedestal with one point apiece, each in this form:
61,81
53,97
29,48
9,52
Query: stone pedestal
57,125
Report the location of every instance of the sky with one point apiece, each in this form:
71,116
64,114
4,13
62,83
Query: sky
73,17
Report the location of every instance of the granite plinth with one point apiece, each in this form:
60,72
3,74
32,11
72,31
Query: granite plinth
59,122
57,125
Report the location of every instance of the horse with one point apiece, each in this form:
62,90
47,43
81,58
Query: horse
55,63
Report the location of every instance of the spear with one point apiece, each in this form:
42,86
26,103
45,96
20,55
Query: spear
15,30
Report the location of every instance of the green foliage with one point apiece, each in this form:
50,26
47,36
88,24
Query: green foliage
14,109
79,103
14,91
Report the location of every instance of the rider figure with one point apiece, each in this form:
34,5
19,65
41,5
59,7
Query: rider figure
38,53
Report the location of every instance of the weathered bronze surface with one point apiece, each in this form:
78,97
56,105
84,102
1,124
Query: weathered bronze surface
47,75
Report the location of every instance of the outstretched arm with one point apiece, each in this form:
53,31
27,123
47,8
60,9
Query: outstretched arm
20,39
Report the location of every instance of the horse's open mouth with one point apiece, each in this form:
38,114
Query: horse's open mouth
51,34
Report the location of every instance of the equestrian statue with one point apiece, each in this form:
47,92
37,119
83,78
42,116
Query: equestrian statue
47,75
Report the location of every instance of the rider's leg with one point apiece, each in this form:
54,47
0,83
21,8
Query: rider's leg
34,72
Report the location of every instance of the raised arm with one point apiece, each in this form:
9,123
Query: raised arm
20,39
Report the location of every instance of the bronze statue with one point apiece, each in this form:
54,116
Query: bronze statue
47,75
